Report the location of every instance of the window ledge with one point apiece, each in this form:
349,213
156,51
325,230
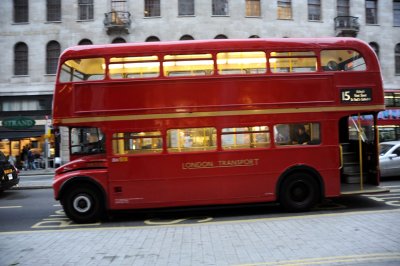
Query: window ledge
85,20
372,24
21,23
186,16
153,17
253,16
53,22
223,16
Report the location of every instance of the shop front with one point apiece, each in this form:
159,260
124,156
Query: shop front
18,134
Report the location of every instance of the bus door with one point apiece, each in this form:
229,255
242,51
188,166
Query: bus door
359,153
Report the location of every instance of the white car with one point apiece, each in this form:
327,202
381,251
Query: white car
389,158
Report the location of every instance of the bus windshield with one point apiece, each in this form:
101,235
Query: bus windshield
87,140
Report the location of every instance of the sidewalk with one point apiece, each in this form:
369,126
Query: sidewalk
354,238
48,171
35,179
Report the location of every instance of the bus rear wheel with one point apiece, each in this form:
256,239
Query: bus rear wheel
83,204
299,192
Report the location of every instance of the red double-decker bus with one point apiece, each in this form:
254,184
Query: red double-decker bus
216,122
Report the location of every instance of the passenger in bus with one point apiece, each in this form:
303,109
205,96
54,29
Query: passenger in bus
301,136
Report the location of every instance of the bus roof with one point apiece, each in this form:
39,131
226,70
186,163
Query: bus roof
146,48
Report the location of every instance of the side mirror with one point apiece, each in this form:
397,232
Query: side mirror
391,156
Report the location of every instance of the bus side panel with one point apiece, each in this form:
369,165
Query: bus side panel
236,92
214,177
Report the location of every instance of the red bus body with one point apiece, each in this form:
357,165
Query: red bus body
216,175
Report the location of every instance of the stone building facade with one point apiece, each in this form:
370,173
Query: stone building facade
33,33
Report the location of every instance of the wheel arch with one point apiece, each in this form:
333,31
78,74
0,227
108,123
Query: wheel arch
301,168
82,181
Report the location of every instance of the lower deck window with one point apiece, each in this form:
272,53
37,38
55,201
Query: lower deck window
191,139
297,134
137,142
245,137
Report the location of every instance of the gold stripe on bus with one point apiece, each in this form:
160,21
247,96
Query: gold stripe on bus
219,113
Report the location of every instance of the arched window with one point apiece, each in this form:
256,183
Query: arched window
397,59
152,39
375,47
186,38
85,42
254,36
20,59
53,51
119,40
221,36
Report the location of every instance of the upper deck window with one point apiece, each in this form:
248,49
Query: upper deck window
188,65
134,67
342,60
284,62
241,63
82,69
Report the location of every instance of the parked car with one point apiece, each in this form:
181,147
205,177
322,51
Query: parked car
389,158
8,173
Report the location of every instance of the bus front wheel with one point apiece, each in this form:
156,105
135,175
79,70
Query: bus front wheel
299,192
83,204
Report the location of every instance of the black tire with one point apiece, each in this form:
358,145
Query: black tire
299,192
83,204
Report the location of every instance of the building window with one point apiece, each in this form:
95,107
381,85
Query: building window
396,13
343,8
253,8
221,36
152,39
53,10
21,11
371,13
53,51
397,59
85,42
285,9
220,7
85,9
375,47
152,8
119,5
118,40
186,37
186,7
314,10
20,59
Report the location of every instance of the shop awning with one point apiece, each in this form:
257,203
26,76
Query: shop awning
14,135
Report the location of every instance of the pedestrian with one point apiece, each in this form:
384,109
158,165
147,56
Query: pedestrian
31,160
24,157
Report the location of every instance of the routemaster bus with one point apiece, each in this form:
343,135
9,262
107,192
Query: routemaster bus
209,122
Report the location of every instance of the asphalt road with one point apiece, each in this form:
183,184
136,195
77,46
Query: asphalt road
35,209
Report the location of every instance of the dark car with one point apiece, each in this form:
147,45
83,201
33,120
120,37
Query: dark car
8,173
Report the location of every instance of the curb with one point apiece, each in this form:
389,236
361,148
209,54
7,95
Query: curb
31,187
